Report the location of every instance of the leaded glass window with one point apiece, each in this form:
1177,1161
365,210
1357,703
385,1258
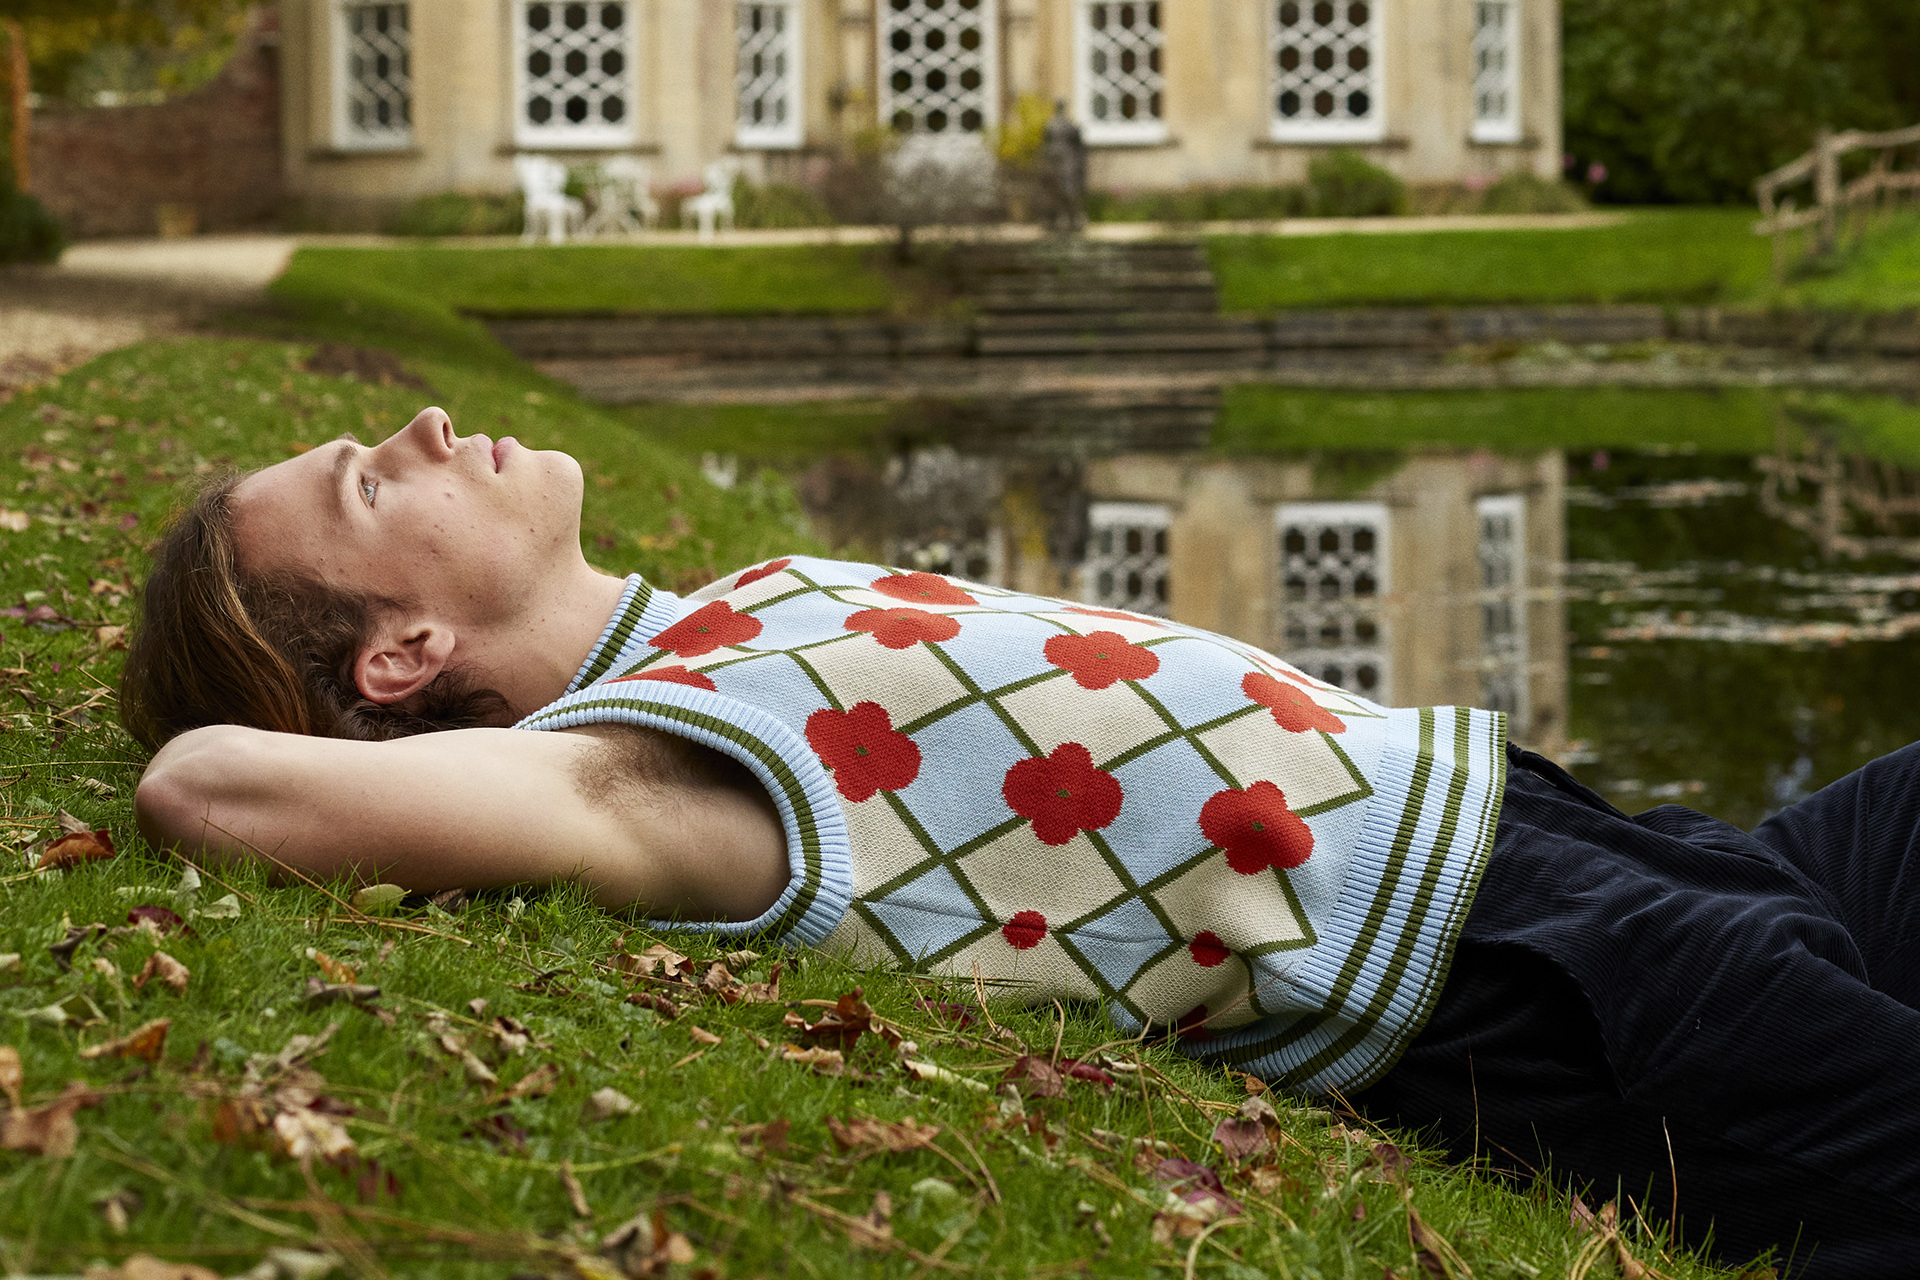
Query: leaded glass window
1333,573
576,73
936,65
1503,604
1496,66
767,73
1126,564
1326,70
1120,81
375,101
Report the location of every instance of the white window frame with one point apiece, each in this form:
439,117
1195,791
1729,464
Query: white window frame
551,137
1312,659
346,136
1373,128
989,68
1156,517
1506,126
1110,132
791,133
1516,663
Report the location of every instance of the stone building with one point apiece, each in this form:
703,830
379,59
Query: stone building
387,100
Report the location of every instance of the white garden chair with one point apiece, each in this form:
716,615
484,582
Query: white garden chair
623,202
543,188
714,205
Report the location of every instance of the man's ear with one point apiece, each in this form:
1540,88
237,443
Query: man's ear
402,658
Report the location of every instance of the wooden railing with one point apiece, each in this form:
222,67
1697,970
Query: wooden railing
1884,182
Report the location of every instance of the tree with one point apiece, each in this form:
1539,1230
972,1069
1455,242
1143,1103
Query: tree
1691,100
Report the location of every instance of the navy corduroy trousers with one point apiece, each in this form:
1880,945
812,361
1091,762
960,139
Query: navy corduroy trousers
1668,1008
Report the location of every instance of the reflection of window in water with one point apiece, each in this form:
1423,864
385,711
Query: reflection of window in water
1503,604
1333,571
1126,564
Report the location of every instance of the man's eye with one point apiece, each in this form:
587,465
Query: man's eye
369,487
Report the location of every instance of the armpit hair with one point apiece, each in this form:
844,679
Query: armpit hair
634,763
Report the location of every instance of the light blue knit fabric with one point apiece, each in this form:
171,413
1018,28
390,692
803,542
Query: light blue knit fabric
1077,803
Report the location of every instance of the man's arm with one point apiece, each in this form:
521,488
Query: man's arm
470,808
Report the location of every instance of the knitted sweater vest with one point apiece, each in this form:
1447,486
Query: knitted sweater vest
1077,803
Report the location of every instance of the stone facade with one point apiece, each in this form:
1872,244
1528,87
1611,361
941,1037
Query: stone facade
207,160
389,100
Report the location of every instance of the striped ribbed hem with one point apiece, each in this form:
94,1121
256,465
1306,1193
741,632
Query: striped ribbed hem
1385,945
643,612
819,850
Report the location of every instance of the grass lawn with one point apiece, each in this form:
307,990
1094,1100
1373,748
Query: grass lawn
1684,255
458,1122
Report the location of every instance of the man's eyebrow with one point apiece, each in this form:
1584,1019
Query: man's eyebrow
342,460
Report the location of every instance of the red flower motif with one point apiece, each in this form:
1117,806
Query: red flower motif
671,675
764,571
1207,950
1025,930
921,588
1062,794
1293,707
864,750
707,628
1100,658
1256,828
1115,614
903,628
1193,1024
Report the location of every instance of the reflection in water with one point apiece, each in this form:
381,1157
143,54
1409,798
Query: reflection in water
1736,631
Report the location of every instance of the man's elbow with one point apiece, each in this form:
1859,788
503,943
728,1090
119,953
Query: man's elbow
191,780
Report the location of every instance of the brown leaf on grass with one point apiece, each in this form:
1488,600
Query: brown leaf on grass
47,1130
874,1229
1197,1184
76,935
117,1209
161,920
1042,1079
72,850
1429,1250
146,1043
605,1104
718,981
1581,1218
767,992
477,1071
867,1136
739,959
1074,1069
849,1018
655,1001
144,1266
770,1138
336,972
828,1062
537,1083
240,1120
576,1194
304,1134
12,1075
1393,1162
701,1035
1241,1139
512,1036
319,992
70,825
646,1246
1271,1181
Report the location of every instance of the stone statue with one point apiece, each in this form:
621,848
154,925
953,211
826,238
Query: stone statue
1063,153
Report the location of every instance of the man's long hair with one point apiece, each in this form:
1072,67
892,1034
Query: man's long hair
217,645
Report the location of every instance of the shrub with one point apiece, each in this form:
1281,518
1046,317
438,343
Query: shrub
28,232
1524,192
777,204
1197,204
452,214
1345,184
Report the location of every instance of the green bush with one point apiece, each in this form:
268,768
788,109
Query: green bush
1527,193
1197,204
777,204
453,214
1345,184
28,232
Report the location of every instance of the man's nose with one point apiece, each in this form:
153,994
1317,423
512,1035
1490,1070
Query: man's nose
430,433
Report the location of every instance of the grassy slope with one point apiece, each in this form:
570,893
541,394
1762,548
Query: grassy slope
444,1181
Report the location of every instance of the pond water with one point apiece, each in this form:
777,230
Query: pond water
1723,630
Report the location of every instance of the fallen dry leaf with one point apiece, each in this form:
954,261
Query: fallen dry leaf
868,1136
770,1137
1429,1250
47,1130
72,850
920,1069
336,972
146,1043
377,899
76,935
605,1104
1240,1139
537,1083
319,992
1197,1184
1042,1079
117,1209
702,1036
874,1230
646,1246
1074,1069
12,1075
576,1194
828,1062
144,1266
655,1001
849,1018
162,920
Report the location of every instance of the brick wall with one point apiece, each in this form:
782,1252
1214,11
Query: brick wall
106,170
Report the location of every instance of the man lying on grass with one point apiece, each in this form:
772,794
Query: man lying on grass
1078,803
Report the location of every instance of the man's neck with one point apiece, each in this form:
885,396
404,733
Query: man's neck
531,658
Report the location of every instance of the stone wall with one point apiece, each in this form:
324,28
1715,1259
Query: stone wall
108,171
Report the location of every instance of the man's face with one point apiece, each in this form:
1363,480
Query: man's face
459,526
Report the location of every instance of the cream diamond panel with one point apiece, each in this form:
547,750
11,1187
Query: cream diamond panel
936,65
576,73
767,73
1326,70
1120,73
377,91
1496,57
